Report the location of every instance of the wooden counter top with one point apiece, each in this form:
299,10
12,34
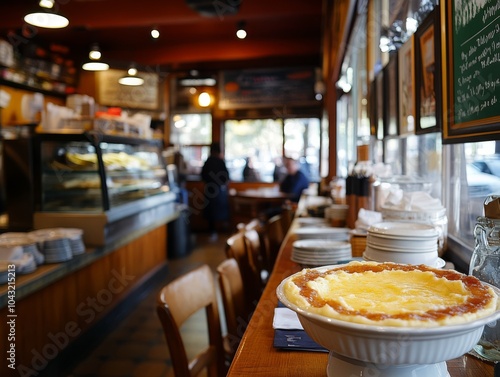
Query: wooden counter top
46,274
256,355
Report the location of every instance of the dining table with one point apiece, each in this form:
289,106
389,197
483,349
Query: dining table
254,203
256,355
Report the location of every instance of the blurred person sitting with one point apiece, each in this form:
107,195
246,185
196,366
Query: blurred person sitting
295,181
250,174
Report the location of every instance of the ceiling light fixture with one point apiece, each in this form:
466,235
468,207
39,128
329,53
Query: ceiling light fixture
131,79
155,33
94,64
241,32
46,17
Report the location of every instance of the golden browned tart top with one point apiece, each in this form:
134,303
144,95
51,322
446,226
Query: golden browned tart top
391,294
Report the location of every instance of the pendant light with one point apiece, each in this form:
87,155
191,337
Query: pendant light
241,31
131,79
204,99
95,64
46,17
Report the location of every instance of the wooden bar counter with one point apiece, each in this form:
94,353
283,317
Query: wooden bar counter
257,357
47,310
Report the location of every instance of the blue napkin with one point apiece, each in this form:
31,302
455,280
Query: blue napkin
297,340
293,338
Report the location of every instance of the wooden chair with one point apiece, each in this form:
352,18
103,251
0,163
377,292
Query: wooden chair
258,253
178,301
275,235
237,309
236,247
261,244
287,218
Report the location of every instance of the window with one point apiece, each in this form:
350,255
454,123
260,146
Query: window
302,142
192,134
260,140
263,142
471,173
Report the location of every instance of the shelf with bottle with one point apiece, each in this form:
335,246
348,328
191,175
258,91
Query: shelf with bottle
51,76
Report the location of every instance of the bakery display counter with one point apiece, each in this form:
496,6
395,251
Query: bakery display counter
100,183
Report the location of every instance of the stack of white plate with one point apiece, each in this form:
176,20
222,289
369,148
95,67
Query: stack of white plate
12,254
59,244
323,233
320,252
75,237
54,245
27,243
403,242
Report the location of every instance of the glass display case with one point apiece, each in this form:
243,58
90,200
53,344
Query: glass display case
96,173
97,182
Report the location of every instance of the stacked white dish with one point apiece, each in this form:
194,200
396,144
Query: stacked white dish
59,244
27,243
323,233
319,252
12,253
75,237
403,242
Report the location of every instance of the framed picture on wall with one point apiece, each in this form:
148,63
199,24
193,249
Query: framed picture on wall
391,96
427,75
470,71
406,88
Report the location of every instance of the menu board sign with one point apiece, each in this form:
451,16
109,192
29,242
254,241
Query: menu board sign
243,89
473,80
143,97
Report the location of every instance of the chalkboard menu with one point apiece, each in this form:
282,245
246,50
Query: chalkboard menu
252,88
473,77
143,97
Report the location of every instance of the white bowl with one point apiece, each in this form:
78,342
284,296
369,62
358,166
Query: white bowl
383,346
401,256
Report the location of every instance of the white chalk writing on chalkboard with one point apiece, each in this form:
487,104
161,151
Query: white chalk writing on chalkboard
477,59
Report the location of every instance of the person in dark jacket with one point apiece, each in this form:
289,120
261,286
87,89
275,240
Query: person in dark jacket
216,177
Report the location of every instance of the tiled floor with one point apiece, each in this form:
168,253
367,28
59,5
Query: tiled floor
137,347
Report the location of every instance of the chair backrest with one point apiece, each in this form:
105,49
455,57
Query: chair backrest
237,309
286,218
260,228
179,300
275,237
236,247
258,253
